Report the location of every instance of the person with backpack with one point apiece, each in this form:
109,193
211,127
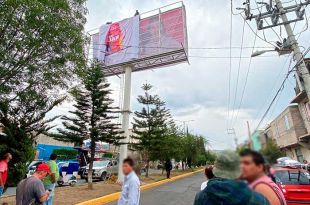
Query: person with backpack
226,188
31,191
252,165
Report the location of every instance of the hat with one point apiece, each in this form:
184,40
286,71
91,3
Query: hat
227,165
43,167
233,192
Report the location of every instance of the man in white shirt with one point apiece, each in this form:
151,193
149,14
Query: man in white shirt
131,186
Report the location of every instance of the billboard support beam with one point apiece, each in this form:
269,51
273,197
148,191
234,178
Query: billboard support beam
125,121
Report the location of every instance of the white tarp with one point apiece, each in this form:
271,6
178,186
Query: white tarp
117,42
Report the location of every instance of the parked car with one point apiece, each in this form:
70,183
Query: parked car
295,184
32,166
101,169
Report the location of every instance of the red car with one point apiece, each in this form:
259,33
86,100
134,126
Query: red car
295,184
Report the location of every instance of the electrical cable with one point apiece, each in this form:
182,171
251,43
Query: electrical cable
230,63
238,72
275,83
273,45
280,89
196,48
246,79
260,11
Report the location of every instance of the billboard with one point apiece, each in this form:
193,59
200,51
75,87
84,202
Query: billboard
160,33
117,42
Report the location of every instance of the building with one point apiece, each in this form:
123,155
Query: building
45,146
256,139
288,130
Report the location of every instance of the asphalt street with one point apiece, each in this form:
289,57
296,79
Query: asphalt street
180,192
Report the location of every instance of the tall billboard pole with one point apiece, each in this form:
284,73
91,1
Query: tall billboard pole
148,41
125,121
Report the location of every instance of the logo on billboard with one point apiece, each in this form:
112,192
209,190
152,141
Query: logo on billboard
114,39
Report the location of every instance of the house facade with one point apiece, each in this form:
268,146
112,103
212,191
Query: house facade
288,130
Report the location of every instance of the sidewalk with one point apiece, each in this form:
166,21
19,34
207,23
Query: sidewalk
73,195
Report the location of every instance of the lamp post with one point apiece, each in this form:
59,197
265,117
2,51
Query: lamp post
280,51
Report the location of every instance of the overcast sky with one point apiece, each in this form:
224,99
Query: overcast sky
199,91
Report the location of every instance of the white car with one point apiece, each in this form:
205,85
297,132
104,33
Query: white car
101,169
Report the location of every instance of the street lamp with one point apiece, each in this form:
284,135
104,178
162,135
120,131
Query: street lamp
280,51
258,53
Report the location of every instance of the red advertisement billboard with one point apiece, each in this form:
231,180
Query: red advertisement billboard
153,34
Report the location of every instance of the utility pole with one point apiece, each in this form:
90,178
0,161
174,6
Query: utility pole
233,132
249,135
125,122
302,71
275,12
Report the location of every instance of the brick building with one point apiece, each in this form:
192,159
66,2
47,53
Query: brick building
289,131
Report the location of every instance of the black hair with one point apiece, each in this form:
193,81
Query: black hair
129,161
53,157
256,156
209,172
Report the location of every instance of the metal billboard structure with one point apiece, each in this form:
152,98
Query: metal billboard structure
161,41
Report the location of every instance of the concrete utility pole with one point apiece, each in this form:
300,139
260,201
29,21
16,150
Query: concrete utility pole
233,132
249,135
274,12
302,70
125,121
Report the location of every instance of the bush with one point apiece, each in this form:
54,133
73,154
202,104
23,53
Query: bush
20,146
65,154
272,152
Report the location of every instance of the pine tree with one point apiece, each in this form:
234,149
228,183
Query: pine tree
150,125
94,115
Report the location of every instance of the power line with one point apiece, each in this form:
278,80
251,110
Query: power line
257,34
281,88
246,77
238,73
193,48
275,83
230,62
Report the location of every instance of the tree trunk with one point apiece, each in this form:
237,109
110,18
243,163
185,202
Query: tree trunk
147,168
90,169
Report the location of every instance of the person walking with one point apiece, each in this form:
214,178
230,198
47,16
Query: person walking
50,181
168,168
31,191
252,167
4,171
131,187
225,188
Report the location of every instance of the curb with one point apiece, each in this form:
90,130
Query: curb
113,197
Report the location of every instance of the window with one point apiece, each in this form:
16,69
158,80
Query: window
287,123
299,155
294,177
307,111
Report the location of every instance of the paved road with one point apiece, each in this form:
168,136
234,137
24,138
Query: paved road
180,192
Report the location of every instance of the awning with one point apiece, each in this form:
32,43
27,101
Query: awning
299,97
305,138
